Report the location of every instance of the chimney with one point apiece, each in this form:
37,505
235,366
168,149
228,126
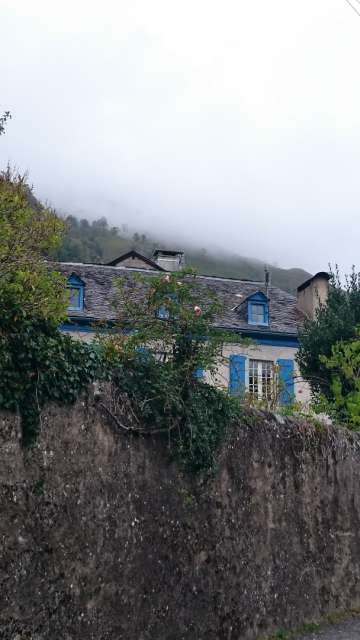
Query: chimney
169,260
313,293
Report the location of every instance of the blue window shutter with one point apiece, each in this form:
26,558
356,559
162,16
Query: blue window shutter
286,377
237,375
198,373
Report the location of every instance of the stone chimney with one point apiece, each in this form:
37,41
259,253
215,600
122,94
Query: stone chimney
313,293
169,260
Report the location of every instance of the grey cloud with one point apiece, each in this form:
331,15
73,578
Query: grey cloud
224,123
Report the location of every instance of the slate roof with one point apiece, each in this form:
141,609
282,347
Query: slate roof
100,292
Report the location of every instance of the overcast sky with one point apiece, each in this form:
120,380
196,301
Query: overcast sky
226,122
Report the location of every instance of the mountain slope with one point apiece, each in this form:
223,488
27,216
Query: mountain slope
97,242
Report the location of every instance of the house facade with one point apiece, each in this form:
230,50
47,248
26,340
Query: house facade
267,317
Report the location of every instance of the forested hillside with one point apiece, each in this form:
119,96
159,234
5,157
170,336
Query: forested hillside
97,241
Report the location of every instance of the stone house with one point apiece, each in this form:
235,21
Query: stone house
265,314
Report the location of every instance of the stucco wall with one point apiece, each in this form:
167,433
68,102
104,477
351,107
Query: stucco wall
261,352
255,351
102,538
310,298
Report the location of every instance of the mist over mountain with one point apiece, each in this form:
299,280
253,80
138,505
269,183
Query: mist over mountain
98,242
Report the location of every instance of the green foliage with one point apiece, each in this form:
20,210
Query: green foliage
97,241
155,359
186,338
28,289
3,120
344,368
207,415
337,321
39,365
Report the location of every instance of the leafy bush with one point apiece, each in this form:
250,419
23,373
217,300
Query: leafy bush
343,403
29,290
207,416
165,339
335,321
38,364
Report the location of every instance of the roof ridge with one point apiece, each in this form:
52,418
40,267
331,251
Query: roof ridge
260,283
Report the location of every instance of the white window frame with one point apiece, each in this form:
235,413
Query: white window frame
260,366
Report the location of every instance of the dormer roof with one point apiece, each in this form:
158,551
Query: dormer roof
136,258
75,281
256,296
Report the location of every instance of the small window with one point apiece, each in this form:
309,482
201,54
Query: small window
261,379
76,290
163,313
258,314
75,298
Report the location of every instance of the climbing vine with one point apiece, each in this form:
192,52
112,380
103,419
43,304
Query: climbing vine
38,365
164,350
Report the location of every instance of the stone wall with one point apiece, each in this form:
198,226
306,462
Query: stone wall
102,538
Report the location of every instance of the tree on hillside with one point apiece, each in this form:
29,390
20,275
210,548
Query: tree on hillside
336,322
98,242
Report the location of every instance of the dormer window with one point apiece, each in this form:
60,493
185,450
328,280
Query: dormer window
257,313
164,312
258,309
76,289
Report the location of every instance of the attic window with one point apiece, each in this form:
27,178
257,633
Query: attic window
258,309
258,313
76,290
164,312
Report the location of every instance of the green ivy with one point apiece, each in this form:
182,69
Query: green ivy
38,365
155,360
343,401
194,418
207,416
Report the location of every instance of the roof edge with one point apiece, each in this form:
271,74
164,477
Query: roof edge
135,253
319,275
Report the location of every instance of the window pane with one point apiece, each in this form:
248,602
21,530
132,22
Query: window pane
74,298
163,313
261,374
258,313
267,370
253,378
